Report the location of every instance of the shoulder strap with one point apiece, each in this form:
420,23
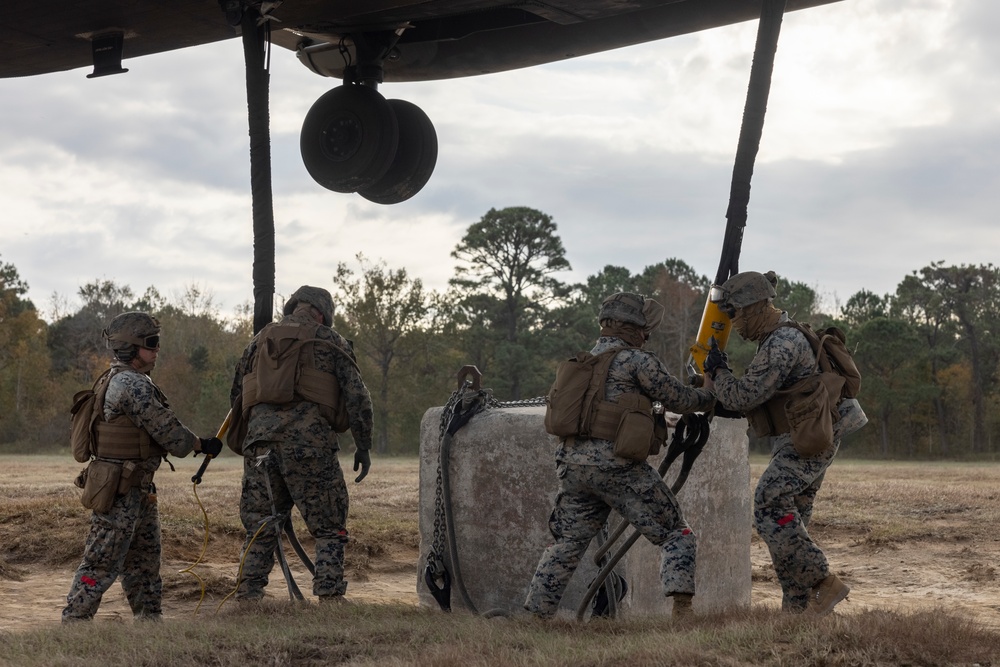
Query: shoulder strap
100,391
595,393
822,360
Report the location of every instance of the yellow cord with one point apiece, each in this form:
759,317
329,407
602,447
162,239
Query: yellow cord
204,548
239,573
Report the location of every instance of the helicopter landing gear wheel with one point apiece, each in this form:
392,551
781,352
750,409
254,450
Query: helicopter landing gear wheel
416,155
349,138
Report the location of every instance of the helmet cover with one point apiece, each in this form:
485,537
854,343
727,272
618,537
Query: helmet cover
317,297
632,308
132,329
746,288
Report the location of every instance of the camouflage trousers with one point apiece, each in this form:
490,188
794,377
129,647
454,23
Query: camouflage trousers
586,497
123,542
783,505
310,478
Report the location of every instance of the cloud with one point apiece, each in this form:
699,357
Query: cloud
879,155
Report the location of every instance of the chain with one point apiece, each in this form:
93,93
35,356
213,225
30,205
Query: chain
436,558
522,403
466,399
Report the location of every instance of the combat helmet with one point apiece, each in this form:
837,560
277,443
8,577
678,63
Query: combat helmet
127,332
632,308
744,289
316,297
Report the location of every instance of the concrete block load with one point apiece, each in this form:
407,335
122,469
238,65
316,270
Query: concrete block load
502,480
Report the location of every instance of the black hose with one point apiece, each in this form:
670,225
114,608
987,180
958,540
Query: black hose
255,43
676,448
750,133
691,446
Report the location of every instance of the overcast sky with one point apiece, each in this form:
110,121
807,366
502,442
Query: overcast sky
880,154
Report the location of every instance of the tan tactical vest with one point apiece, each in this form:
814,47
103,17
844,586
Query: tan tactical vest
607,415
120,438
771,418
284,373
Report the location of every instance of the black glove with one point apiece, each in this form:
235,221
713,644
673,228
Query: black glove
211,446
362,459
716,359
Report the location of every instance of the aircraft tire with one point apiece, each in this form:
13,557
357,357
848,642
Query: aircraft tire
349,138
416,155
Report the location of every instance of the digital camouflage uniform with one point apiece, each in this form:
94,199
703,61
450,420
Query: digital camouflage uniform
593,481
126,540
302,468
783,499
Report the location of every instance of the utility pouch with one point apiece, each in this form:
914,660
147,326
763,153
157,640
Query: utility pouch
634,437
811,414
101,486
129,477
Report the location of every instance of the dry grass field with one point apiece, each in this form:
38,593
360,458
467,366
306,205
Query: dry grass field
919,543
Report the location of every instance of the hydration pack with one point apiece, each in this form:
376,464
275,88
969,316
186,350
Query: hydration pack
91,435
579,383
832,356
88,405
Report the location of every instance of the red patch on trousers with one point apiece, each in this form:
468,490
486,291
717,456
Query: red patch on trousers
87,580
785,520
686,531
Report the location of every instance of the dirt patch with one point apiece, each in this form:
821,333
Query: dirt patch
36,599
903,536
923,575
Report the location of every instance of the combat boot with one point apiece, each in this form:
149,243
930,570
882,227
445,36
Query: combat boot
826,594
682,606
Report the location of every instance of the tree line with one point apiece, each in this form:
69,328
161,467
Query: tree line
928,352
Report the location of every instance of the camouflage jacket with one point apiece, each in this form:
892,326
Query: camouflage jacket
634,370
302,422
133,395
783,358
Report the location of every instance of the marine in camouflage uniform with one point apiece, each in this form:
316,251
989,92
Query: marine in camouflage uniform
593,481
125,541
786,491
293,448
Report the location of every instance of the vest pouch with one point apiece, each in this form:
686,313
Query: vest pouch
101,486
133,476
635,435
811,414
